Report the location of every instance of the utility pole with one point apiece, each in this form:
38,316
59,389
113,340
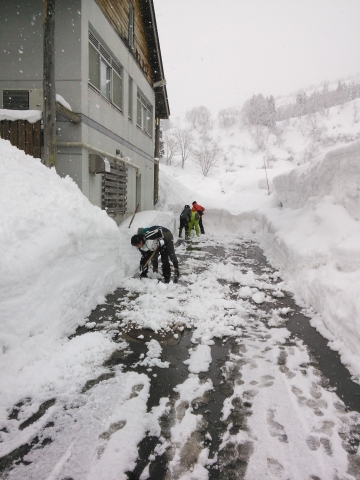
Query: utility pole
49,113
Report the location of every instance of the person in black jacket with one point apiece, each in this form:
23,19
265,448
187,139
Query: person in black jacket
156,240
185,217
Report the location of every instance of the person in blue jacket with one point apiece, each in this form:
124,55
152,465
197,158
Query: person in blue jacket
161,241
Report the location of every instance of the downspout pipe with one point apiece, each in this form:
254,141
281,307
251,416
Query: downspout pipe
101,152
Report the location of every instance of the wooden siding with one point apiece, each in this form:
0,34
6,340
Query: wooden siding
117,13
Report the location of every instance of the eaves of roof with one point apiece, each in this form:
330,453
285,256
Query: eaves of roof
161,97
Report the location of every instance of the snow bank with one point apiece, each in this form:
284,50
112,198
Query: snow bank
315,239
59,253
231,201
337,173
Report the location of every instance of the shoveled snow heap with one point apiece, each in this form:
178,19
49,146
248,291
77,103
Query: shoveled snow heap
314,236
59,252
59,257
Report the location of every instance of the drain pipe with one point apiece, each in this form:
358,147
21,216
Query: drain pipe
101,152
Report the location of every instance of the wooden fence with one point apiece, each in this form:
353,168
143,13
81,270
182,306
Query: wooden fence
23,135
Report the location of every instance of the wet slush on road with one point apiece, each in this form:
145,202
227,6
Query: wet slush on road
227,408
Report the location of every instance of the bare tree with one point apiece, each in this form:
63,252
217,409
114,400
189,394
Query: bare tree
356,113
184,141
207,157
170,147
316,129
303,126
260,135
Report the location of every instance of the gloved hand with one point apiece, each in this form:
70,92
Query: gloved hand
161,242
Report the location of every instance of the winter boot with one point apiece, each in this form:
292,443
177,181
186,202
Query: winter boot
166,279
176,272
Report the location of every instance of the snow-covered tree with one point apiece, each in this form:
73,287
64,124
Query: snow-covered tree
199,118
229,116
260,111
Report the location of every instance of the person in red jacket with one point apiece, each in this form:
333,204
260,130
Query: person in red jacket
198,208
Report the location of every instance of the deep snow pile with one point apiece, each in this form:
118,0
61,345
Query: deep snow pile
315,237
57,250
59,257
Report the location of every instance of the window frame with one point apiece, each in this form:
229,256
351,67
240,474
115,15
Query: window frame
131,99
114,102
144,114
112,66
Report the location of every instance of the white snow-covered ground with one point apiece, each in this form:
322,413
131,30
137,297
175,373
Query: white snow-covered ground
60,255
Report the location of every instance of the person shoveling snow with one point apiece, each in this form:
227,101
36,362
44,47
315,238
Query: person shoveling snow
154,240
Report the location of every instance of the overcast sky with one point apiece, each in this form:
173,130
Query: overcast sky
218,53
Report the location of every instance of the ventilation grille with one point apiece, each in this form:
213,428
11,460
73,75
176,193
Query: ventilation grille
115,65
114,196
16,99
93,40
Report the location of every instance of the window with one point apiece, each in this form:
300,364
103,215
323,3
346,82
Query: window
117,90
94,66
144,113
131,93
131,24
105,74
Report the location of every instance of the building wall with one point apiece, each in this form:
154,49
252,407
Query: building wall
102,126
138,147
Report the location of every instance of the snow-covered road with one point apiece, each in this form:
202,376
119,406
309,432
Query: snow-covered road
204,382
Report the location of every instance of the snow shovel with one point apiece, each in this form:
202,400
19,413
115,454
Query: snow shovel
149,260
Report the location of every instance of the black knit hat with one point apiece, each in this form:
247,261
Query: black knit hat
187,206
136,239
194,202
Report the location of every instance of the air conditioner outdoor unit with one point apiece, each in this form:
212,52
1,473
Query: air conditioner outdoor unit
22,99
36,99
